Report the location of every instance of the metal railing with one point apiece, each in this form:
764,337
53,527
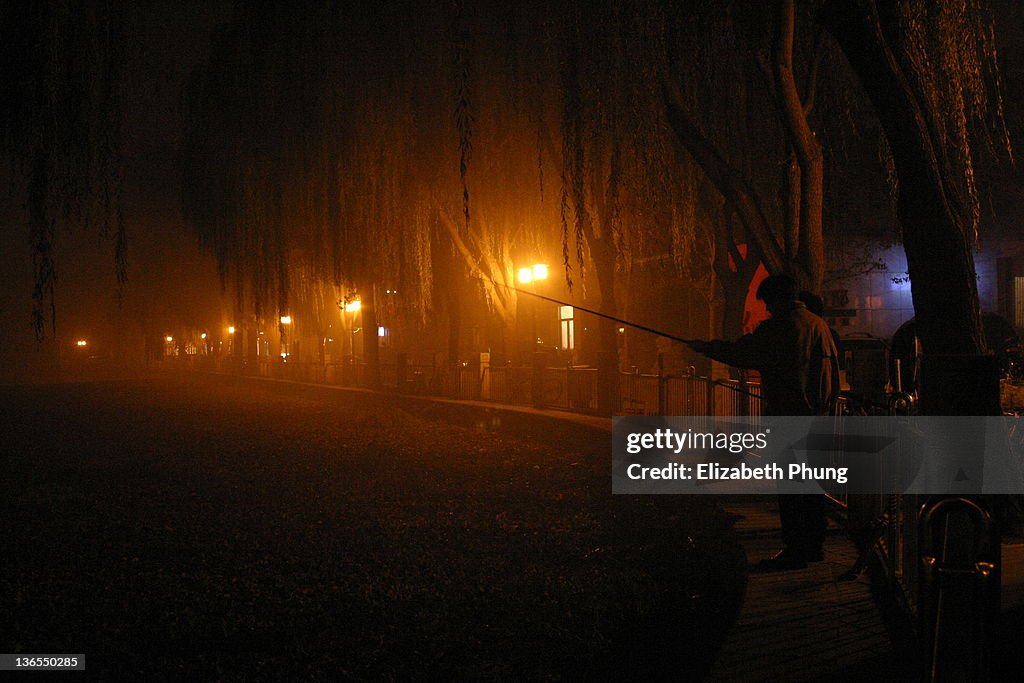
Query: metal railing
569,387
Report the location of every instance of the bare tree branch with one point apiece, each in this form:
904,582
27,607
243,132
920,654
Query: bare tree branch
726,180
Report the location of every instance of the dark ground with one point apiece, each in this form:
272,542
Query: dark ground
215,527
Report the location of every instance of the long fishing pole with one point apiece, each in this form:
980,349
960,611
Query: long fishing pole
590,311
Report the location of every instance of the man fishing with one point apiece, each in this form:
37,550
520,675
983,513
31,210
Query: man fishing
796,356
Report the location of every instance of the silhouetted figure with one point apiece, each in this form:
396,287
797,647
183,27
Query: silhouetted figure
797,358
815,305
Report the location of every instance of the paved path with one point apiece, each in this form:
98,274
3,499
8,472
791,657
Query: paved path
591,421
802,625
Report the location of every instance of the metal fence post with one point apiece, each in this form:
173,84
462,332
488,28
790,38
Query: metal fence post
662,386
608,397
711,397
958,600
744,395
537,380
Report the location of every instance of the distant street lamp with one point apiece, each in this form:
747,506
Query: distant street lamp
81,342
351,304
169,339
231,329
286,350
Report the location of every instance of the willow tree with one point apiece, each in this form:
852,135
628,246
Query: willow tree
568,140
930,70
259,148
320,143
620,199
62,65
777,201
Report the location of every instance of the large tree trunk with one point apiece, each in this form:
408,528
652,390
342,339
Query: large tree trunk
371,344
956,379
602,252
44,308
603,255
789,195
935,228
454,320
810,180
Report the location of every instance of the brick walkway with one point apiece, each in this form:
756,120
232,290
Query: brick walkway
802,625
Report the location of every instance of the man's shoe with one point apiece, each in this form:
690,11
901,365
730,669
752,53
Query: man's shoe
782,561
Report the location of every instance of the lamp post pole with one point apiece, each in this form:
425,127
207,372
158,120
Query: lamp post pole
351,304
530,275
533,319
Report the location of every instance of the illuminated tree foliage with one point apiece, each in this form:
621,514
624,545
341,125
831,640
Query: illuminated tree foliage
429,149
62,66
316,139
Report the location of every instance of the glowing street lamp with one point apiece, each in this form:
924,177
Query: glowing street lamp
286,347
81,342
534,274
169,339
231,329
202,336
353,306
528,274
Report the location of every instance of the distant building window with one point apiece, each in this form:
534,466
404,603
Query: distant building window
565,315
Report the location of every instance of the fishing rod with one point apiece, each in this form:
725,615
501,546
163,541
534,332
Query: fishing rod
591,311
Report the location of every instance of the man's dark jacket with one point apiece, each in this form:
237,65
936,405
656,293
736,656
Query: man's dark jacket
797,359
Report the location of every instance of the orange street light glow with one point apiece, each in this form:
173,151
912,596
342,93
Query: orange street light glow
540,271
286,320
202,336
169,338
231,329
525,275
353,306
82,342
